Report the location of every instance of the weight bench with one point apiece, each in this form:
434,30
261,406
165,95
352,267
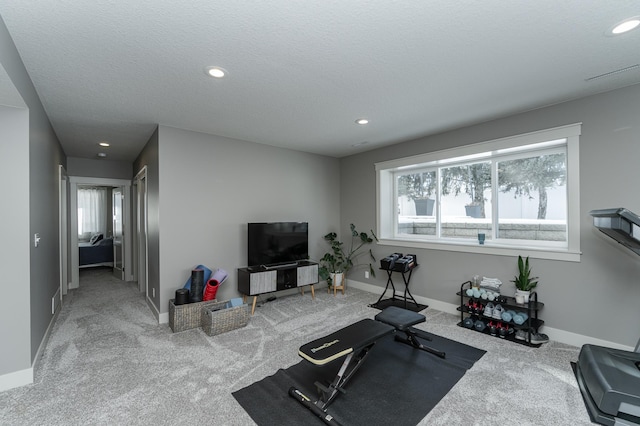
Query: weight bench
402,320
354,342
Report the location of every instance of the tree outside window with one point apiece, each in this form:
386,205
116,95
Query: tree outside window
528,176
419,187
471,179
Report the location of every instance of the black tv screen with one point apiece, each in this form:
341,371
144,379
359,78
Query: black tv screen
620,224
275,243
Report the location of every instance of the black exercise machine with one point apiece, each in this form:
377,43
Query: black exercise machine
354,342
609,379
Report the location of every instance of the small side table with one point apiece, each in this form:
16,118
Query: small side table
406,277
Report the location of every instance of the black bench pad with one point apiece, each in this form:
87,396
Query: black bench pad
399,318
344,341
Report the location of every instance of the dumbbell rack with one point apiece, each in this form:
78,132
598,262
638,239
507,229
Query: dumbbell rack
531,325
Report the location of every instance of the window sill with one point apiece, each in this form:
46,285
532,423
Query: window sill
487,248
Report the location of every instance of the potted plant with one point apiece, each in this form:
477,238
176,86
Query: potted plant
524,281
335,264
419,187
473,209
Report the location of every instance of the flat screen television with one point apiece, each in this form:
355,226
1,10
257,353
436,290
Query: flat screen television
274,243
620,224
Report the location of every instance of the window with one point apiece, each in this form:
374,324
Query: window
521,193
92,211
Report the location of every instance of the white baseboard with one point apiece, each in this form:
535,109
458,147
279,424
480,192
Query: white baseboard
578,340
25,377
16,379
554,334
154,310
163,318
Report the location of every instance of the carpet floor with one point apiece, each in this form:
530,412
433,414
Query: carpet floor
108,362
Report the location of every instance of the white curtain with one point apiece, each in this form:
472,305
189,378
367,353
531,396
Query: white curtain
92,214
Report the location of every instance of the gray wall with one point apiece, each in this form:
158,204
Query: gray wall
210,187
597,297
14,250
41,274
87,167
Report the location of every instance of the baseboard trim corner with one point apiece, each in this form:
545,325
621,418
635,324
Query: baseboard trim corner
154,310
16,379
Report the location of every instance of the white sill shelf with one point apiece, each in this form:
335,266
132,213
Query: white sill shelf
487,248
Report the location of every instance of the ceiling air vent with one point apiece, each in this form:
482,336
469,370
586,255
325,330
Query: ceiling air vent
612,73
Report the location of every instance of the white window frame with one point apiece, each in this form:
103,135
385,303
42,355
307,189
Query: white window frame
386,218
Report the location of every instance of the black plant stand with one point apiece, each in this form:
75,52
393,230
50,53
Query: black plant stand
407,296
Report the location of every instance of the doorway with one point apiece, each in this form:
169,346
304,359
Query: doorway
126,235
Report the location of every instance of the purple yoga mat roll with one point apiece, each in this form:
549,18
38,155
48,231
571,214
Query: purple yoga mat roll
220,276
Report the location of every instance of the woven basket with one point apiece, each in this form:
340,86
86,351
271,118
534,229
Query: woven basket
217,319
188,316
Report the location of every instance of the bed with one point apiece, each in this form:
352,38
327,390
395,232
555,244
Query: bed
96,253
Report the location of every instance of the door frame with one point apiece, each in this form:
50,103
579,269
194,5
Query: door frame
63,230
141,241
119,270
74,182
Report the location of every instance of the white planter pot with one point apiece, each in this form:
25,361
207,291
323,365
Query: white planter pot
522,295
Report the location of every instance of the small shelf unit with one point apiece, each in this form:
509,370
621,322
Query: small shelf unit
531,325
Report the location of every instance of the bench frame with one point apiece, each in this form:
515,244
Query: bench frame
338,344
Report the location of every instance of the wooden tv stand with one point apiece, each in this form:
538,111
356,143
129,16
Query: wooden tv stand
256,280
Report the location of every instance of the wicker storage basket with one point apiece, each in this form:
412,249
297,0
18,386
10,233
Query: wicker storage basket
188,316
217,319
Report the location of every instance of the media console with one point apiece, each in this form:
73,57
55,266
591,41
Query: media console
256,280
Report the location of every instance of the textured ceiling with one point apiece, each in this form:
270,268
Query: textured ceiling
301,72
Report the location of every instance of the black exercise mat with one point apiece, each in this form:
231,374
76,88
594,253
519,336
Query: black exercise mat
400,304
397,385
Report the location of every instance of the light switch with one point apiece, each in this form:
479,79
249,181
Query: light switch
36,240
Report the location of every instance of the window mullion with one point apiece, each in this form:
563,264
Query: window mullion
438,200
494,199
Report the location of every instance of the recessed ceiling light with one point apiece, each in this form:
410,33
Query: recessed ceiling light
626,25
102,155
105,144
362,121
216,72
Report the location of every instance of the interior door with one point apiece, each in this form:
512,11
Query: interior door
118,232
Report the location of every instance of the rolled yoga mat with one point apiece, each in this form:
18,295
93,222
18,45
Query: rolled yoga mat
220,275
211,289
197,285
182,297
207,275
